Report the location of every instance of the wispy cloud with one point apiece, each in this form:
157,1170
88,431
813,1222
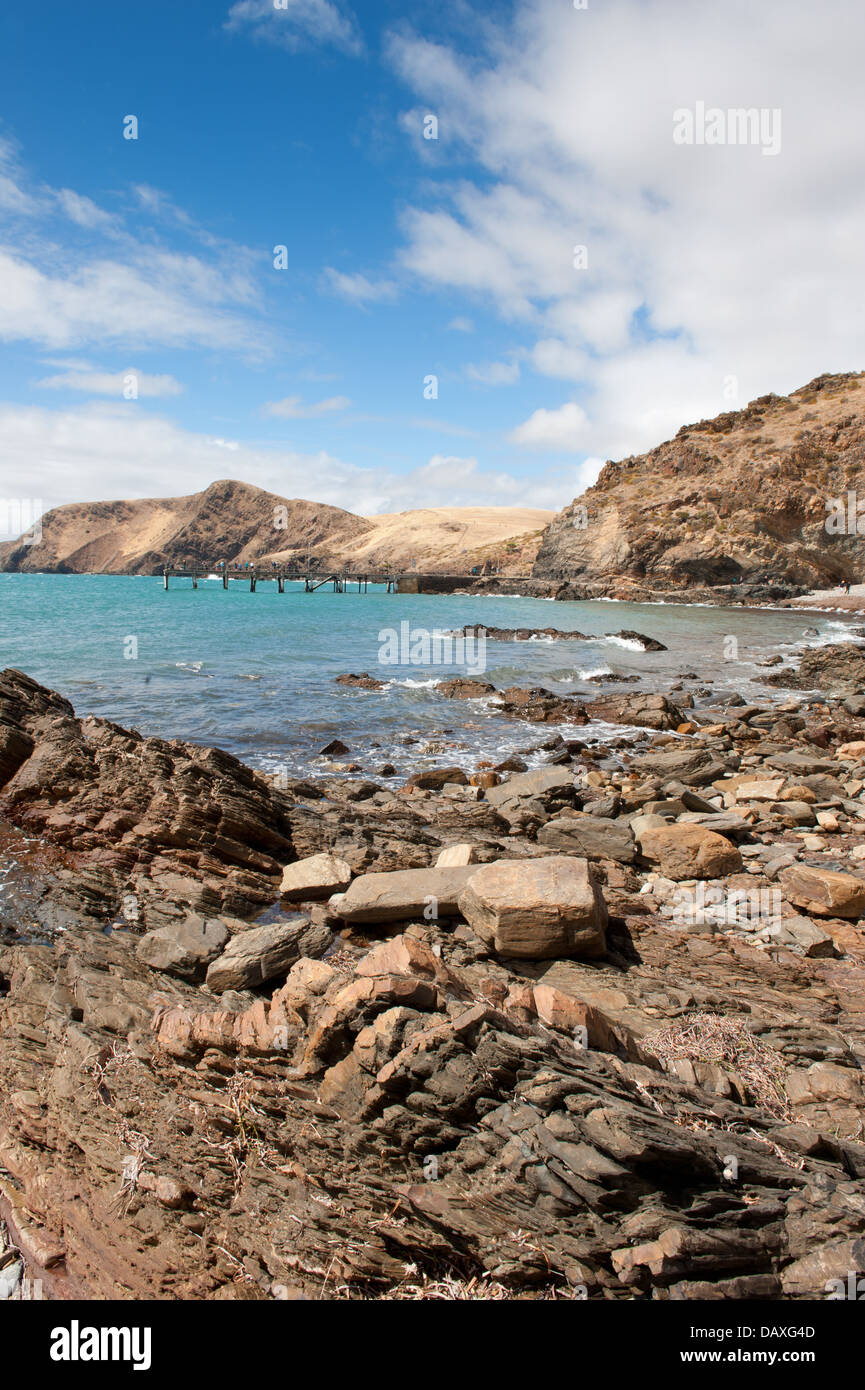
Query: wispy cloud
624,257
130,383
356,288
294,407
494,373
295,24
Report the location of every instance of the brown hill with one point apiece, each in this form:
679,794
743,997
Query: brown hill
741,498
235,522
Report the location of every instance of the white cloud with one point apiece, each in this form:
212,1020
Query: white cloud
106,452
81,377
75,274
293,407
165,299
295,24
356,288
494,373
701,262
554,430
461,325
82,210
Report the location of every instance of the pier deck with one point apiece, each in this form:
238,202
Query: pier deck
342,581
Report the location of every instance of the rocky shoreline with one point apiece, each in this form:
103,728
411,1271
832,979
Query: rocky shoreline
593,1029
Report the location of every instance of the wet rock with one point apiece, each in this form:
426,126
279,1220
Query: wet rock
646,644
435,778
364,681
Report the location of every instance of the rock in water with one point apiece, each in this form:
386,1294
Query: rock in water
537,909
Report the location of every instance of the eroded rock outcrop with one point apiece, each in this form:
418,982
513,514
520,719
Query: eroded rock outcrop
361,1107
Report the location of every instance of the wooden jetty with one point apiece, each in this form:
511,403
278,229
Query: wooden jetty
281,575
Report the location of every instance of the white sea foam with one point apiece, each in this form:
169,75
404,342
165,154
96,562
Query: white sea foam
594,673
411,684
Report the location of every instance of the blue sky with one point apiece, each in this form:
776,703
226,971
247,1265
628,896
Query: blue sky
713,275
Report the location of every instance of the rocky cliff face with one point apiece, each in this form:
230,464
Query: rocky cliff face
745,497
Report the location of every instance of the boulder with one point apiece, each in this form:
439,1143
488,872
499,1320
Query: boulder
537,909
404,894
592,836
695,767
185,949
315,877
824,891
262,953
684,851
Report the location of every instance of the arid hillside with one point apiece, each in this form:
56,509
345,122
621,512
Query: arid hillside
747,496
236,522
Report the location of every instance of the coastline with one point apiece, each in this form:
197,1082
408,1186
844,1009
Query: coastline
264,958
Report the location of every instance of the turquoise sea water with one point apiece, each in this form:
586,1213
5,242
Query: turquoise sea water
254,673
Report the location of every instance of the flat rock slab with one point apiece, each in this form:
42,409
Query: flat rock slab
315,877
538,909
594,837
542,782
824,891
262,953
684,851
401,896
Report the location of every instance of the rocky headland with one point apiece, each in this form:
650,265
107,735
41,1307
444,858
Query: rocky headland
587,1028
732,509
